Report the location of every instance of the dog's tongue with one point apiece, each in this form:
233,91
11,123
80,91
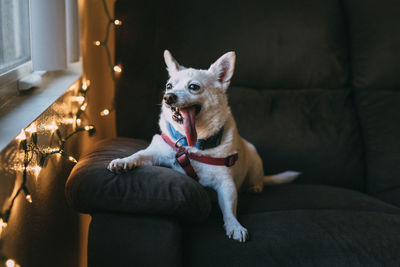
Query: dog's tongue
189,124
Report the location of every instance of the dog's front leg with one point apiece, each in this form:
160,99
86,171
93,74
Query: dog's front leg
227,199
156,153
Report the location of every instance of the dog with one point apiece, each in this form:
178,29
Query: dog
200,138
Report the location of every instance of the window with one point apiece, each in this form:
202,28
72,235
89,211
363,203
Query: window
14,34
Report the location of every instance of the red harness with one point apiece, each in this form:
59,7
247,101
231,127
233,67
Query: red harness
183,157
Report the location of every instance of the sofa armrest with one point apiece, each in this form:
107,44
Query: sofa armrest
121,240
153,190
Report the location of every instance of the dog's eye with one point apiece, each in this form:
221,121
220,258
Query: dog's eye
169,86
194,87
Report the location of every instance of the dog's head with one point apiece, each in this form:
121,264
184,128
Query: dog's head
195,101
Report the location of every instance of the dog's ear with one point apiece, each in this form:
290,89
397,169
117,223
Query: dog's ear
224,68
172,65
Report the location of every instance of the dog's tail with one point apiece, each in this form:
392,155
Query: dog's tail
281,178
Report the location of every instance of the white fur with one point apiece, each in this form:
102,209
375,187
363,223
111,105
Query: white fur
214,114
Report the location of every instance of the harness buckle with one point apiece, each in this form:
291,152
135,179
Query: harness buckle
230,160
182,158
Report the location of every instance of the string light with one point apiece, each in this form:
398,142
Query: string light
11,263
31,149
31,129
52,127
21,136
114,69
36,170
83,107
78,98
105,112
78,122
117,68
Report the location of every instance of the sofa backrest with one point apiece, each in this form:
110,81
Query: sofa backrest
292,92
375,57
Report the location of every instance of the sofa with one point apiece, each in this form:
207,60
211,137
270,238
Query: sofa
316,89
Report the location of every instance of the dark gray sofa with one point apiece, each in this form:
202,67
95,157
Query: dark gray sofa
316,89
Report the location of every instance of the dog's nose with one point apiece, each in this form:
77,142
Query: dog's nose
170,98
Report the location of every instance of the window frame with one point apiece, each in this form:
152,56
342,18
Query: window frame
10,78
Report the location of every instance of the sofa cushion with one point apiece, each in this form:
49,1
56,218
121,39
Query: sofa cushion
379,112
279,44
314,131
374,45
301,225
91,187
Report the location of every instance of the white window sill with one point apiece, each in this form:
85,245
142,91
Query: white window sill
17,111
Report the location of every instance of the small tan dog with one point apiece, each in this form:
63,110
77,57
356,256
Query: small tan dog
200,138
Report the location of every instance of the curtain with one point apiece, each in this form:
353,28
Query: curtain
54,34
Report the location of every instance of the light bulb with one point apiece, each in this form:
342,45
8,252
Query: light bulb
85,85
88,127
31,129
83,107
36,170
51,127
97,43
28,198
117,68
11,263
3,224
105,112
78,121
72,159
21,136
117,22
78,98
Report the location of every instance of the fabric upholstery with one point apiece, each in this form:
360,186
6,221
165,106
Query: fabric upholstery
313,131
316,89
374,43
379,112
300,225
122,240
147,189
282,45
308,237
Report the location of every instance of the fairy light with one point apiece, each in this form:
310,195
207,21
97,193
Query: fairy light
21,136
3,225
51,127
28,198
78,98
72,159
11,263
36,170
78,122
105,112
85,85
89,127
97,43
69,120
117,22
117,68
31,129
83,107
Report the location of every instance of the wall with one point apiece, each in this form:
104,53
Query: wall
47,232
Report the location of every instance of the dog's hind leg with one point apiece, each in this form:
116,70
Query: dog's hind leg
255,172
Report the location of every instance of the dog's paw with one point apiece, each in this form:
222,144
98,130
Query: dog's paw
121,165
237,232
255,189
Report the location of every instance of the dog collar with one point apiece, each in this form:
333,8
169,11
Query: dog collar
201,144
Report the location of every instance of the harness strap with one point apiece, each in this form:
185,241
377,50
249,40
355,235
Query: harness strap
183,158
